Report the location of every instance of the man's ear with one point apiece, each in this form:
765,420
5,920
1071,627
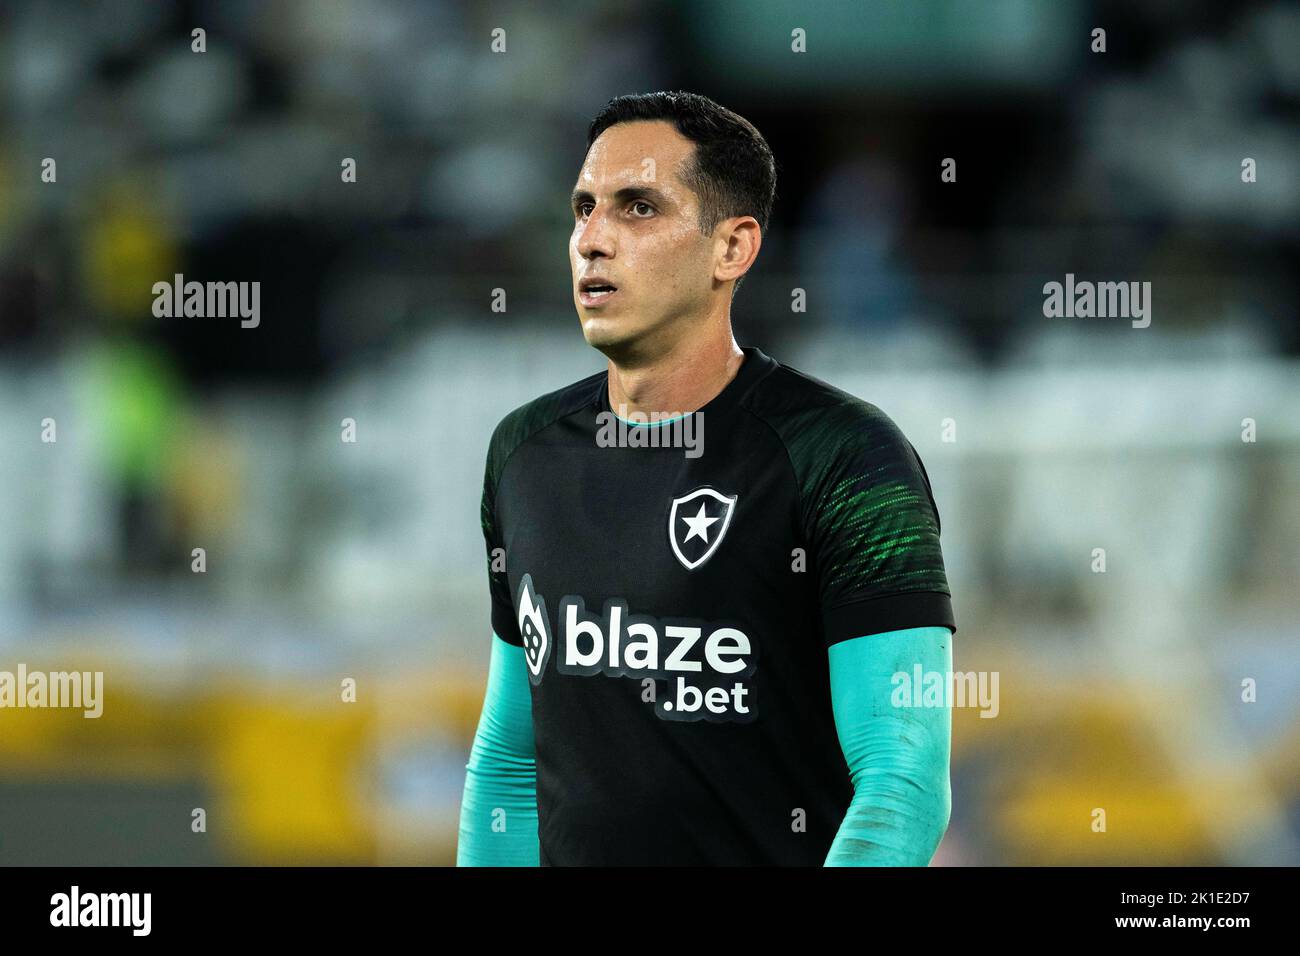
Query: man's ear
740,239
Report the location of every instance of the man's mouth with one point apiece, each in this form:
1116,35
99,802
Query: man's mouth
595,293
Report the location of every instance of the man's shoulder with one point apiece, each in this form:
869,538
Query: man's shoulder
521,423
849,457
813,417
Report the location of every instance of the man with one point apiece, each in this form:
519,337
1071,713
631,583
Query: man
696,628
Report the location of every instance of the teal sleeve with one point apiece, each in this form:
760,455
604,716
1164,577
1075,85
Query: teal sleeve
498,812
897,755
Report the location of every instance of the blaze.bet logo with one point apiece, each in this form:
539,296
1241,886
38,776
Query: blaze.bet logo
701,670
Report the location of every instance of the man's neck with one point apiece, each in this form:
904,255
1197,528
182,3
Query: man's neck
680,381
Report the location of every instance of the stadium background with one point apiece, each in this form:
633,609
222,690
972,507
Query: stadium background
328,560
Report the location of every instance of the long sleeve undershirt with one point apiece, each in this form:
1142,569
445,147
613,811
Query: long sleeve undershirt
498,812
897,757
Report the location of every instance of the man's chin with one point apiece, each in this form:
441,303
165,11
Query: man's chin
624,339
605,332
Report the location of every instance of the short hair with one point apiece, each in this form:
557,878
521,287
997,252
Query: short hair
732,170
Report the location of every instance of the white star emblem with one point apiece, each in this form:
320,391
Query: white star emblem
698,525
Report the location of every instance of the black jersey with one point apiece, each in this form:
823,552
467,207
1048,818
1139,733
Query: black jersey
675,587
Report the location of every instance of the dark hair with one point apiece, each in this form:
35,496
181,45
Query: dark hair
732,169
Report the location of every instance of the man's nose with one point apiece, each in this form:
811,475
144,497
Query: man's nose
596,237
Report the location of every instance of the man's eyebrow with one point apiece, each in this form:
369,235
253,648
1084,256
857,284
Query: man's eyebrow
626,194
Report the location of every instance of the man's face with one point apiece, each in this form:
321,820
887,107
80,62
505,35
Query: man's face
636,225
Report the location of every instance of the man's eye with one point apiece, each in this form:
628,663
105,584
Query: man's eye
581,210
649,207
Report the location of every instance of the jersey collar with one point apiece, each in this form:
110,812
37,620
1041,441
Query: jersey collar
756,365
